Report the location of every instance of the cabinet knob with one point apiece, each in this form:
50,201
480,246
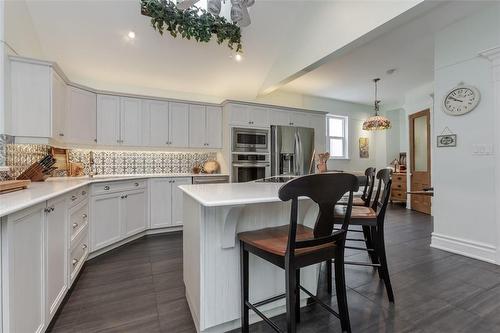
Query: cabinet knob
84,216
136,184
74,262
47,210
95,140
73,198
106,188
84,246
84,192
61,134
75,225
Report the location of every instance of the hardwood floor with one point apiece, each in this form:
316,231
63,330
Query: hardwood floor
139,288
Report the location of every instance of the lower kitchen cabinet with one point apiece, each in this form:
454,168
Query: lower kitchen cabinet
56,230
23,280
166,201
116,216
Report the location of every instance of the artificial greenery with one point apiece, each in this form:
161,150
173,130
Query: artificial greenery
191,23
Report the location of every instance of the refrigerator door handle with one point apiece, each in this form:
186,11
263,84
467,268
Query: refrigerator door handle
301,154
296,155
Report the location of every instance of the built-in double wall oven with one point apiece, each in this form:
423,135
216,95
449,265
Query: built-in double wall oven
250,154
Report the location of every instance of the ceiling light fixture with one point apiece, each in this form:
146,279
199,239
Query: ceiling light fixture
131,34
376,122
238,57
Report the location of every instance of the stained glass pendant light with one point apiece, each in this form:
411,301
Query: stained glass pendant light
376,122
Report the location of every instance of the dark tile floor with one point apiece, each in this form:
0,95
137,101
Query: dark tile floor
138,288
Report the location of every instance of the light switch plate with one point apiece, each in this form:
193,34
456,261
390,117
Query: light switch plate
482,149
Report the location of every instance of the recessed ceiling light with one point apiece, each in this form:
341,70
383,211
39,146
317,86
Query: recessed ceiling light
131,35
238,57
391,71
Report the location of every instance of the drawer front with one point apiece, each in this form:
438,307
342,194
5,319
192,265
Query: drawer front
78,195
399,186
398,195
78,220
111,187
399,178
79,253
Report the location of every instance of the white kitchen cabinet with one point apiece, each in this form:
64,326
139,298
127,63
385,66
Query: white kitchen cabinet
205,126
59,107
56,230
300,119
247,115
177,196
130,121
318,122
106,217
23,280
108,120
213,121
80,119
166,201
134,214
37,100
178,125
289,118
157,126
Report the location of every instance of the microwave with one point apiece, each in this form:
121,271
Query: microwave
250,140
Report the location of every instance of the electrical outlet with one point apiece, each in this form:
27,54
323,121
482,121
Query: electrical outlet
482,149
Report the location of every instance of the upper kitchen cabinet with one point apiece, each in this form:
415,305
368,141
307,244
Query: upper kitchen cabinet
37,100
205,126
178,124
318,122
289,118
167,124
248,115
80,118
119,120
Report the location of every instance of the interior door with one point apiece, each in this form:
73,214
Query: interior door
420,160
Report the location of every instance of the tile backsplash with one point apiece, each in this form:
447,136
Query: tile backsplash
20,156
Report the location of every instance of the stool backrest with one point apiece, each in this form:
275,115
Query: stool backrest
326,190
383,193
370,184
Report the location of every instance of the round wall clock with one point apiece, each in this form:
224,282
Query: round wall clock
461,100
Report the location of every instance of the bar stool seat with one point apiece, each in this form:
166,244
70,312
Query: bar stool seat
358,213
275,240
356,201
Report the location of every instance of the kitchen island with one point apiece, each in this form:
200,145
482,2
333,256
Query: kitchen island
213,216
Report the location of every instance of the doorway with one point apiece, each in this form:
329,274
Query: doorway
420,159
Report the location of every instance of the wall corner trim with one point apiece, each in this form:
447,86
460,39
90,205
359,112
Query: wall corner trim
471,249
492,54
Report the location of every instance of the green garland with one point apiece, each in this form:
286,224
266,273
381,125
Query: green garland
190,24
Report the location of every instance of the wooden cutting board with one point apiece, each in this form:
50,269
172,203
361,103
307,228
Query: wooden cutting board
7,186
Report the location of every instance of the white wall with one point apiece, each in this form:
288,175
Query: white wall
464,203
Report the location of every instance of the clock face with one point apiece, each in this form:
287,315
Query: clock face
461,100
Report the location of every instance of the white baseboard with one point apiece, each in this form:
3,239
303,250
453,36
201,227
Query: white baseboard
131,238
476,250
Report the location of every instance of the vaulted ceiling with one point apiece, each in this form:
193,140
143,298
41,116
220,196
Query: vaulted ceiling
87,39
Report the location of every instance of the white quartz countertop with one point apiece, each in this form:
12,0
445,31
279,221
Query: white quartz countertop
41,191
212,195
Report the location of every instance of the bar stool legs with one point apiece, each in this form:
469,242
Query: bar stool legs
383,269
244,290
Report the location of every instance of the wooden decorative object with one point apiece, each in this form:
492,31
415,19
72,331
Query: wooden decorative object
8,186
322,162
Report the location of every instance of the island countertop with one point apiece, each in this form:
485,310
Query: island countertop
232,194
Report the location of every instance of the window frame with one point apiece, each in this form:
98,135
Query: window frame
345,138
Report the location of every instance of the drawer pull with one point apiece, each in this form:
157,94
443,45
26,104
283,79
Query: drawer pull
106,188
84,216
136,184
84,246
73,197
84,192
74,262
75,225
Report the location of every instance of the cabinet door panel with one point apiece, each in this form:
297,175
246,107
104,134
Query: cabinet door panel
177,196
158,122
59,107
299,119
130,121
108,120
259,116
57,251
134,216
81,117
197,126
279,117
179,125
214,127
319,125
31,105
160,202
106,216
23,253
239,115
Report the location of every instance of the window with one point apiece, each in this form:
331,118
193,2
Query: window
336,127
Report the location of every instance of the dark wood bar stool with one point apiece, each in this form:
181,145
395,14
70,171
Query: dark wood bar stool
366,196
372,220
294,246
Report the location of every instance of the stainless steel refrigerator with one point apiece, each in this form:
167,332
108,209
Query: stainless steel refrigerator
292,150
